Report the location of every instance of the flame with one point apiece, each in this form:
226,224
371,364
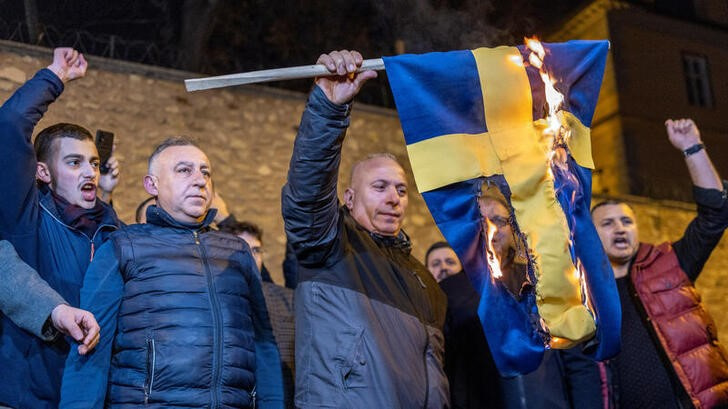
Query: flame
557,156
534,45
491,255
584,288
516,59
535,61
554,98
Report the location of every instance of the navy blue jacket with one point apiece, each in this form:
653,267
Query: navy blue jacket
184,323
30,220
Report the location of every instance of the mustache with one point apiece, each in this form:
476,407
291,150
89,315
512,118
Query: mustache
443,273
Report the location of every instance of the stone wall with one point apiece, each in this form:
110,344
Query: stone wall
248,134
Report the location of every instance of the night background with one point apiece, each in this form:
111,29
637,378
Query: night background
666,60
218,37
665,56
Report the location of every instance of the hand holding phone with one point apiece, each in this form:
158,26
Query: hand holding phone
105,145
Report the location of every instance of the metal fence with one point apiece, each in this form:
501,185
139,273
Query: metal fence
102,45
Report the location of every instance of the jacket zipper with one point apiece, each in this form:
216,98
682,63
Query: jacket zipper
420,318
90,239
216,323
151,366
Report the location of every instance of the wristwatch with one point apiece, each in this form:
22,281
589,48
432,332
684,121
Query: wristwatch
693,149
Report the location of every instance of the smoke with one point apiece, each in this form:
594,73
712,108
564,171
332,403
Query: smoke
426,25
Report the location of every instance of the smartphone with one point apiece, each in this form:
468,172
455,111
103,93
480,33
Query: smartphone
104,144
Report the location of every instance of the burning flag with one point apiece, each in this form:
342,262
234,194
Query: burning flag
495,116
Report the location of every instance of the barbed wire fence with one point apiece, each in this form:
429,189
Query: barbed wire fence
102,45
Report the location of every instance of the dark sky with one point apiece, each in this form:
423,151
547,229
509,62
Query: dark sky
223,36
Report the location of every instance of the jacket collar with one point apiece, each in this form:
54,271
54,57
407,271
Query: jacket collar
648,253
401,241
156,215
47,202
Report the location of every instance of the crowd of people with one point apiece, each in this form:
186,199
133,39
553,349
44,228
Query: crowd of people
179,309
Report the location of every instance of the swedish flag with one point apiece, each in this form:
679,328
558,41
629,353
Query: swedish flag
475,116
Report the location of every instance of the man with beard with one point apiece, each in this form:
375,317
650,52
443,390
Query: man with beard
670,355
441,261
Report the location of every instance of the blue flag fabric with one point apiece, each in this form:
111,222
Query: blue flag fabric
473,116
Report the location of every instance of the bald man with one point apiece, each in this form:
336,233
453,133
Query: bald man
369,316
192,329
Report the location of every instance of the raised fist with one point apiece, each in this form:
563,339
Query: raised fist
68,64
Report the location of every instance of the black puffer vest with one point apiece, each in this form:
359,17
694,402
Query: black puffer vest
185,334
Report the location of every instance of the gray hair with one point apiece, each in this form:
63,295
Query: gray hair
168,143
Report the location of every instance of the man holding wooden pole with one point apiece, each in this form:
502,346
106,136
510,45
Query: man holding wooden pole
369,316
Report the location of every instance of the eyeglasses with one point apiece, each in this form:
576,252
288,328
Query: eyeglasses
500,221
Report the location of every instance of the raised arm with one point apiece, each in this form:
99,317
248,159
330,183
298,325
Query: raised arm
685,136
18,117
309,200
704,232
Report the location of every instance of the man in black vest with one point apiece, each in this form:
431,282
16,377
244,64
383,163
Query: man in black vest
191,324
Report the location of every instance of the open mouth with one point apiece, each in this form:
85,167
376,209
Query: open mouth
88,192
620,243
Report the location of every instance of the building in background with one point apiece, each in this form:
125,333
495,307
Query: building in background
666,61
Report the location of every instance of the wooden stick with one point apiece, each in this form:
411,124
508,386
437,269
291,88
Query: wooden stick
277,74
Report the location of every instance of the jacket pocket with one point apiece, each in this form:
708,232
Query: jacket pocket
151,364
350,358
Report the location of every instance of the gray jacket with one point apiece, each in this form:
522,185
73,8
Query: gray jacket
26,298
369,316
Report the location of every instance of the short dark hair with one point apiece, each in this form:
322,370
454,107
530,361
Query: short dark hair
436,245
243,227
610,202
168,143
141,207
43,143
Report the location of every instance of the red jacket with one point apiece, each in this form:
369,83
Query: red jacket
685,330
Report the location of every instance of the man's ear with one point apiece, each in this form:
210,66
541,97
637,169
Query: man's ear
150,185
43,173
349,198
